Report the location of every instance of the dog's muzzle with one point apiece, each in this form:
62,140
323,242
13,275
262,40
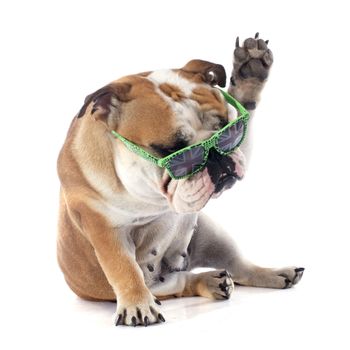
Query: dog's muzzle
221,170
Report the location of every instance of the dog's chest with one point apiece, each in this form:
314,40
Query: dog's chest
161,245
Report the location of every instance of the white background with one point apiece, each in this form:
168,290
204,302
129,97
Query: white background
291,209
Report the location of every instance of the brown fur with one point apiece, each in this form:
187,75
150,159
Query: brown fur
103,257
76,255
149,118
89,252
209,101
204,72
172,91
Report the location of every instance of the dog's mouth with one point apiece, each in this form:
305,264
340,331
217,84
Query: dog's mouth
192,194
187,195
225,182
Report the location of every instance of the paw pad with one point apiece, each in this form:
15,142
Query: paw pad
253,59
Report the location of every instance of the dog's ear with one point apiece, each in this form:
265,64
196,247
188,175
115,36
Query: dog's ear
105,101
208,72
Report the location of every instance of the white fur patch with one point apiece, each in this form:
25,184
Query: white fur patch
232,112
170,77
174,283
186,111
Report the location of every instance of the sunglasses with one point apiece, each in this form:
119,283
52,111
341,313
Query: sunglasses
190,160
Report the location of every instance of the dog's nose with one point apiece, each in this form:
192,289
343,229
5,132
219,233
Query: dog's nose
221,170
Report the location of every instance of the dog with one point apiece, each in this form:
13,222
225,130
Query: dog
130,232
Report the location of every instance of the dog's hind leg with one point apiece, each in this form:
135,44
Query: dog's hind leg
213,247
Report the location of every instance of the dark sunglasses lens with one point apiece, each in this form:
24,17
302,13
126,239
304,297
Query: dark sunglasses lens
231,137
188,162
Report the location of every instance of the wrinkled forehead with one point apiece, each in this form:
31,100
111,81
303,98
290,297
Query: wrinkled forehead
180,86
173,102
193,102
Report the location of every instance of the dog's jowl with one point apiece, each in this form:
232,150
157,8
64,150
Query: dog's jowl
130,226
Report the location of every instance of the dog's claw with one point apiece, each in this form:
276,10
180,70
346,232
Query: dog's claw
225,273
161,318
298,274
237,41
146,321
157,302
139,314
223,286
256,35
267,41
133,320
288,283
119,320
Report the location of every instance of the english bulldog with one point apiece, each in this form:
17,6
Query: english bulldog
129,229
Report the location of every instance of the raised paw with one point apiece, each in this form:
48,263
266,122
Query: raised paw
251,66
253,59
144,314
215,284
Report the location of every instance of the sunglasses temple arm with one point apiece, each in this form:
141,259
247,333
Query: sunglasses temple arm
143,154
246,146
137,150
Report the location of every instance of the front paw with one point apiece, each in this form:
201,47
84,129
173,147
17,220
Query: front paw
143,312
253,59
251,67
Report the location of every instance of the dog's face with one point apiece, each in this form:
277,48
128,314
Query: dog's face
162,112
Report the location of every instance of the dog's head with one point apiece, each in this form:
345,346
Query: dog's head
162,112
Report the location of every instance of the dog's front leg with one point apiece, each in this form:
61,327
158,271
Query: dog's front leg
115,253
251,66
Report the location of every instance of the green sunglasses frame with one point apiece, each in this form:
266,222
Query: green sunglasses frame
206,144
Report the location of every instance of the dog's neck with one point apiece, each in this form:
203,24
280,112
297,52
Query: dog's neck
95,150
